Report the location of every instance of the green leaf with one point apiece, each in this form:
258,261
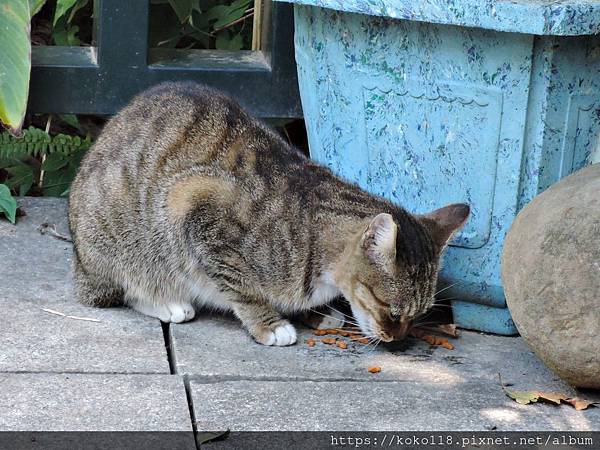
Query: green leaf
66,36
55,183
62,6
15,62
35,6
22,177
80,4
523,397
231,15
70,119
54,161
183,9
8,205
224,43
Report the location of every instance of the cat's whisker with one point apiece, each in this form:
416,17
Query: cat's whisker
447,287
339,312
433,322
437,301
331,317
374,347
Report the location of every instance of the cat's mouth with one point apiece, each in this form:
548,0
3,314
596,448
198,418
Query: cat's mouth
392,331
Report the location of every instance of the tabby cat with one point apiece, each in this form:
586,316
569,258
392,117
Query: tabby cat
186,199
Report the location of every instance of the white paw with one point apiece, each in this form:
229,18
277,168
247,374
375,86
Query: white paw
336,320
181,312
172,312
283,335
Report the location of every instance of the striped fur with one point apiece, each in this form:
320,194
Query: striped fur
187,199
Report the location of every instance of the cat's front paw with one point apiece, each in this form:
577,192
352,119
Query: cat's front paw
281,335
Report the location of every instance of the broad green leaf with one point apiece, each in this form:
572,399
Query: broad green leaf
183,8
54,161
35,6
8,205
15,62
62,6
217,12
224,43
231,15
22,177
66,36
80,4
55,183
70,119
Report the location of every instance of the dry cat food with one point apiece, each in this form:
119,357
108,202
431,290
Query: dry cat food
320,332
342,345
310,342
431,339
374,369
328,341
359,338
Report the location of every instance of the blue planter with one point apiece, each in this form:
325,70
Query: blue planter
431,102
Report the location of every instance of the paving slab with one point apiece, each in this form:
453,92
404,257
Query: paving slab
215,347
374,406
36,277
93,402
243,386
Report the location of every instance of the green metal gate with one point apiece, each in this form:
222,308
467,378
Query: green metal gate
103,78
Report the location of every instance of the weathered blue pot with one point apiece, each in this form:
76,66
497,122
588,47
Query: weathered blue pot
430,102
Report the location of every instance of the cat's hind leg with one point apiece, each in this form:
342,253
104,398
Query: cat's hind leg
176,312
265,324
91,290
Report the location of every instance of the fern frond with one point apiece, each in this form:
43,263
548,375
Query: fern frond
36,142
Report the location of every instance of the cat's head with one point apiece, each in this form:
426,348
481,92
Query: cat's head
391,269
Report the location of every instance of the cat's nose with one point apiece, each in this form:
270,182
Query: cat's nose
400,330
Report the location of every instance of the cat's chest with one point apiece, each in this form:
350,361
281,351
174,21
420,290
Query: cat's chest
324,290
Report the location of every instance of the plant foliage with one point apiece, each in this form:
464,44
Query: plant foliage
15,62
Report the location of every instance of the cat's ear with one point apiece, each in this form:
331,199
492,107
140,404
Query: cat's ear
446,221
379,239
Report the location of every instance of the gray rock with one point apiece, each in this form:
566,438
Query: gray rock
85,402
551,275
36,277
375,406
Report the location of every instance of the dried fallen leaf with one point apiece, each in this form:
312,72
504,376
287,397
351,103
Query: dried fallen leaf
580,403
553,397
310,342
527,397
328,341
374,369
342,345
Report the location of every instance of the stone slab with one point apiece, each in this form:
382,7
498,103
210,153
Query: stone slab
215,347
375,406
240,385
35,271
93,402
